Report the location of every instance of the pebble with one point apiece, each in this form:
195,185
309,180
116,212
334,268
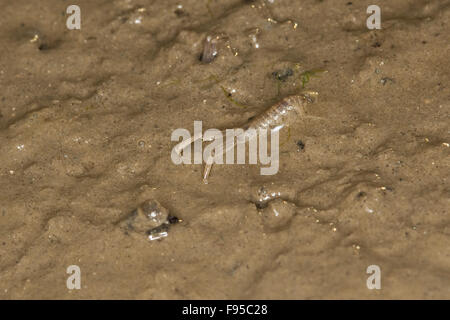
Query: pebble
282,75
149,215
264,196
209,49
158,232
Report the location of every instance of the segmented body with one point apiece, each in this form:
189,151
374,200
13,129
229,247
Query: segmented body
276,117
280,114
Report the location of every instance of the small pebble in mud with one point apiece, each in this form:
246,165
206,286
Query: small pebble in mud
158,232
163,230
264,196
282,75
376,44
209,49
150,218
386,80
300,145
173,219
277,214
179,11
361,194
154,213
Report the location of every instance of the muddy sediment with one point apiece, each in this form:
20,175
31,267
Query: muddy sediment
86,118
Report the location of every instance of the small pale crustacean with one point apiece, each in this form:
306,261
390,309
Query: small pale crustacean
276,117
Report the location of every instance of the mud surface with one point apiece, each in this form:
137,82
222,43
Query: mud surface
86,118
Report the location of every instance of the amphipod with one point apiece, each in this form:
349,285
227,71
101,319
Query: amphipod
276,117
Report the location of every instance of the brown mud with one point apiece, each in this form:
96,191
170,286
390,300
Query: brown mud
86,118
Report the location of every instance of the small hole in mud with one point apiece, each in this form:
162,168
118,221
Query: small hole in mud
360,194
300,145
173,219
260,205
180,12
